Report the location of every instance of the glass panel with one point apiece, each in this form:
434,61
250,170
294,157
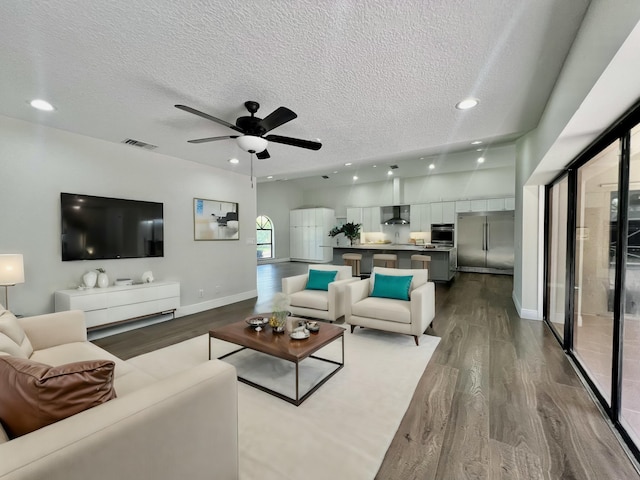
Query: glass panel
557,267
596,229
630,414
263,236
264,251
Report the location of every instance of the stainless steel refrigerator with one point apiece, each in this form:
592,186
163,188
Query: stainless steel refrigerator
485,242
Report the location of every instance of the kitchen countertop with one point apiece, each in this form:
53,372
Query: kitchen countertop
394,246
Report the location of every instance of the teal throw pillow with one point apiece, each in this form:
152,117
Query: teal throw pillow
392,286
320,279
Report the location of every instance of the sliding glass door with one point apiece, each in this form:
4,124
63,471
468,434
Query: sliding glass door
557,260
630,405
592,270
595,249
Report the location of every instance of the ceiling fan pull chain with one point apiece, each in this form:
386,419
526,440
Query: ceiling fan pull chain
251,170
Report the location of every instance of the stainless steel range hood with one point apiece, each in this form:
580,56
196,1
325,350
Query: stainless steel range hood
399,212
397,218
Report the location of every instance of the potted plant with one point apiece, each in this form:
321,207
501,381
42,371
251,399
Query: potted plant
351,230
280,312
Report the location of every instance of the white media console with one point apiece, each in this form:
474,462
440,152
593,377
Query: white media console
111,305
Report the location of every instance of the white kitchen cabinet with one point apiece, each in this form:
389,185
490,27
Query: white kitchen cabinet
479,205
371,219
425,218
463,206
414,217
295,218
436,212
443,212
485,205
448,212
495,204
354,215
420,217
510,203
309,231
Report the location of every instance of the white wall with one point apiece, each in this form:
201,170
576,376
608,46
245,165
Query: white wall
274,200
485,183
357,195
605,28
37,163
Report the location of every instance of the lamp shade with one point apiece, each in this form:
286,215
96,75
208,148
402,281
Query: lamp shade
11,269
252,144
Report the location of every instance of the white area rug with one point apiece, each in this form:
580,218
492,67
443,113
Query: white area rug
342,431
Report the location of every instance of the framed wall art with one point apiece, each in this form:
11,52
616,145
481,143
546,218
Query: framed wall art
215,220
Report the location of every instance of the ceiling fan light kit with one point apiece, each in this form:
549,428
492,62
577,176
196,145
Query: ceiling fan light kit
254,130
252,144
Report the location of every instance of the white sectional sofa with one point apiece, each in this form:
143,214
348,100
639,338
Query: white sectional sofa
183,426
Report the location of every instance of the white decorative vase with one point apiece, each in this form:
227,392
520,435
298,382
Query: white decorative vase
89,279
103,280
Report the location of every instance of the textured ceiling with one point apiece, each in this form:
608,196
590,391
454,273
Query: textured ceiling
376,81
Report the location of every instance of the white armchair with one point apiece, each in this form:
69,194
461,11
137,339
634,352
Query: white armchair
410,317
323,304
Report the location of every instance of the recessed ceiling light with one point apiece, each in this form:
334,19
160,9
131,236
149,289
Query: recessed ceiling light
432,166
335,171
355,178
270,177
348,164
390,172
375,166
421,158
478,149
477,142
481,160
234,160
467,103
41,105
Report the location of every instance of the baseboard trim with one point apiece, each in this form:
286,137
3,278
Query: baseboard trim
218,302
526,313
273,260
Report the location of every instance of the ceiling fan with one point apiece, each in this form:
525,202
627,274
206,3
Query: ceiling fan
253,130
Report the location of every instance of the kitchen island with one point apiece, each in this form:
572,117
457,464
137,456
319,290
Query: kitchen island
442,267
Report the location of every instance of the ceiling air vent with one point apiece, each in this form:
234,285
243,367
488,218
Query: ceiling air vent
393,167
139,144
325,176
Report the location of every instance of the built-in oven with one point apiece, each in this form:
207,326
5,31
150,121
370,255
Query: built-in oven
442,233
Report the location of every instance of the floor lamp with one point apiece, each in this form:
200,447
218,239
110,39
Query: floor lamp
11,272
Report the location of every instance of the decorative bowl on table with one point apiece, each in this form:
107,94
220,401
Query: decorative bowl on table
312,326
257,321
299,334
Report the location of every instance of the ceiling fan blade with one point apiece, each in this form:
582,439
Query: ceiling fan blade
295,142
212,139
209,117
263,155
279,116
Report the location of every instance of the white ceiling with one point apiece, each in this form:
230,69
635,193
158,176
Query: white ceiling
376,81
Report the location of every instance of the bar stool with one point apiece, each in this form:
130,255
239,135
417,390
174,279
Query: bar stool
388,260
423,259
353,259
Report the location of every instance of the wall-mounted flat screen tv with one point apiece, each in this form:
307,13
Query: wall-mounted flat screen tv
98,228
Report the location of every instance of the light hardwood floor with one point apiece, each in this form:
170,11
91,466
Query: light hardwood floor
498,400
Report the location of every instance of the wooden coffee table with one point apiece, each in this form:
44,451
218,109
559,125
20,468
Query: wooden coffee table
281,346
